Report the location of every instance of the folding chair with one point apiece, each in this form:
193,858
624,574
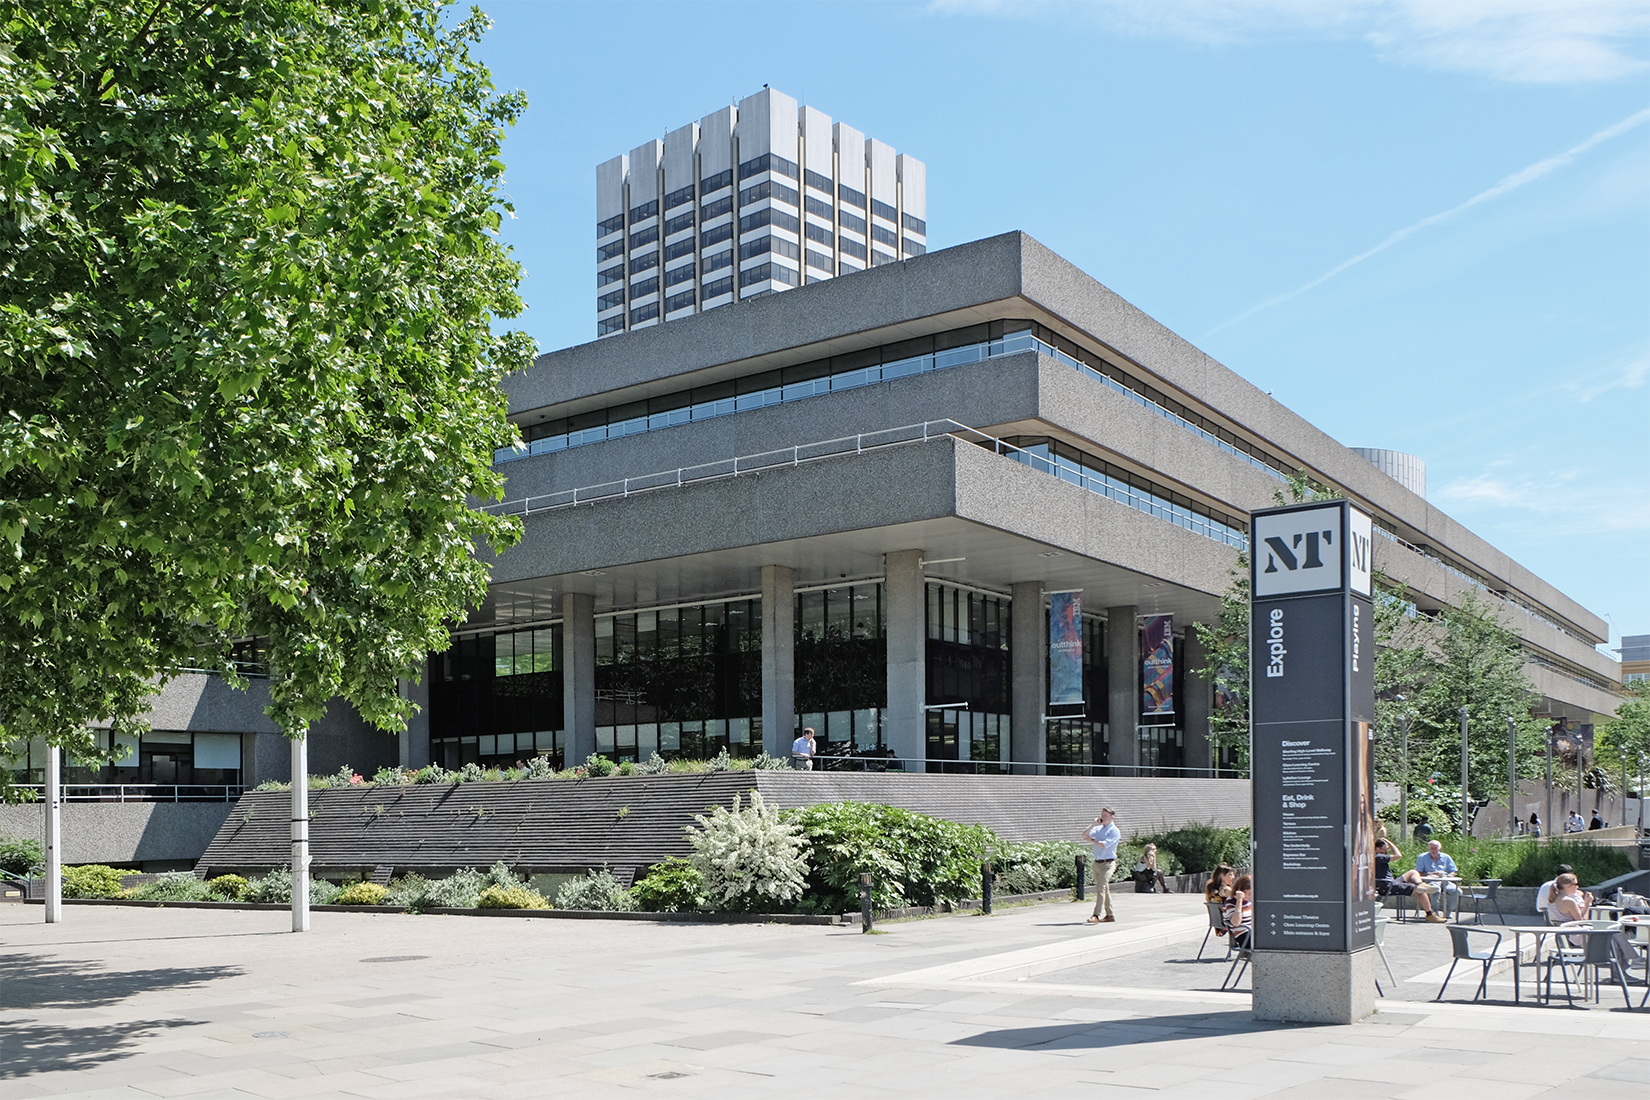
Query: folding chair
1486,891
1215,922
1461,948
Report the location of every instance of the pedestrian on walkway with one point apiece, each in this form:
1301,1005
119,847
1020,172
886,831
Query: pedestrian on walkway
1104,835
802,751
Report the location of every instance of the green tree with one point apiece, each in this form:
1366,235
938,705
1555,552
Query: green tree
249,270
1628,729
1476,662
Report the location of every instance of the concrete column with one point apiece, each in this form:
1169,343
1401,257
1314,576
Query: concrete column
778,660
1123,681
415,739
578,677
1029,652
1314,987
54,834
907,657
1199,696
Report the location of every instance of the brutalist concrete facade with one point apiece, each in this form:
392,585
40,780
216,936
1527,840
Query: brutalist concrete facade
954,510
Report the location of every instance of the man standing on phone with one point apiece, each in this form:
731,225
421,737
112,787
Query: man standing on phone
1104,835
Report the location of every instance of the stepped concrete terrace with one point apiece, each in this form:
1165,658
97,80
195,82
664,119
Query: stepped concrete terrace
630,822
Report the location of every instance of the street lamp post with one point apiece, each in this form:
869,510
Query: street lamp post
1624,786
1403,792
1552,746
1466,800
1512,776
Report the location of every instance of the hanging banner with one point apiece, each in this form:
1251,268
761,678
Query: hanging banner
1065,649
1157,666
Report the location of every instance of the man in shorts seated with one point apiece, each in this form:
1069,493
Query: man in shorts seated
1409,884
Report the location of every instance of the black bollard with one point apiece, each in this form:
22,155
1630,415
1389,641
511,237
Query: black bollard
865,902
1082,877
986,878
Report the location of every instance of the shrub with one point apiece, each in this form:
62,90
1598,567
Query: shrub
688,767
434,773
391,777
179,886
1131,852
674,886
762,762
361,893
93,880
600,766
1194,848
654,765
469,773
404,891
21,856
914,859
1437,815
273,785
510,897
750,857
458,890
596,890
539,768
342,778
627,767
721,762
276,888
1034,866
227,887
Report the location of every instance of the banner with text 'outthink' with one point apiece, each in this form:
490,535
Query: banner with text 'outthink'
1065,649
1157,666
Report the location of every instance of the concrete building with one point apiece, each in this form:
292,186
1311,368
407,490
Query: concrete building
749,200
1635,658
848,507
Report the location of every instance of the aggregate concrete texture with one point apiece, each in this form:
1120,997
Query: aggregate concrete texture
881,492
1011,275
165,1002
123,832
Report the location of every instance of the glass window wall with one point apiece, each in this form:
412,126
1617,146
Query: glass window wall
680,681
968,662
496,698
841,666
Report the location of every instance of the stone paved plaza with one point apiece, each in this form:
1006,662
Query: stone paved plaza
132,1002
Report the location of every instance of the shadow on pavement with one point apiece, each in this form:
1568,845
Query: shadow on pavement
1144,1029
32,1048
35,981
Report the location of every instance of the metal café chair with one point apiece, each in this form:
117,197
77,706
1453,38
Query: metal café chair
1461,948
1380,942
1215,922
1486,890
1600,951
1239,965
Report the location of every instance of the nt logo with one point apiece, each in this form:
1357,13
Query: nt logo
1284,552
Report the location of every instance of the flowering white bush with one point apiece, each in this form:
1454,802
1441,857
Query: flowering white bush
749,856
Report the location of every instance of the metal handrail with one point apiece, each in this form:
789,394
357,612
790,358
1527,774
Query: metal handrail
742,464
825,761
144,792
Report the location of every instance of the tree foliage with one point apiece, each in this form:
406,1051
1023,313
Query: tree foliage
1629,729
248,276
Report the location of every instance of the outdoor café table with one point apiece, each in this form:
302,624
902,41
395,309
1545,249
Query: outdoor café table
1540,932
1440,880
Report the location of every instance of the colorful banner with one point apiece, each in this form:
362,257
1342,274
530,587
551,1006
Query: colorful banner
1157,668
1065,649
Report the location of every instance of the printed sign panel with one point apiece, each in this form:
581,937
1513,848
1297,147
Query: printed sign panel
1157,666
1297,551
1312,652
1065,649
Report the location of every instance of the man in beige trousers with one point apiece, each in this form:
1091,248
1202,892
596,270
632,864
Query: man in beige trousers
1104,835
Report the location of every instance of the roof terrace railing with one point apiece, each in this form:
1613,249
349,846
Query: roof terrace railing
143,792
1139,499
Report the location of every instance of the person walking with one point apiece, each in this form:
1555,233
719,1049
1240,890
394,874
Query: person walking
802,751
1104,835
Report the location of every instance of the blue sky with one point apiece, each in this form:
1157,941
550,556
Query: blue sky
1211,162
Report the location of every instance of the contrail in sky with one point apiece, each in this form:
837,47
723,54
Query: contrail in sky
1516,180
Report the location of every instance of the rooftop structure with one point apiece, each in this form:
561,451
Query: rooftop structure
749,200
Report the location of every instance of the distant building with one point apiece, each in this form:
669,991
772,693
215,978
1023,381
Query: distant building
747,201
1635,657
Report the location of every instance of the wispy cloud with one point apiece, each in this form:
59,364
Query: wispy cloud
1523,41
1510,183
1572,501
1628,377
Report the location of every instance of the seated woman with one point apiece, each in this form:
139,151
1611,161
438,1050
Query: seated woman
1567,900
1409,884
1219,888
1146,875
1238,910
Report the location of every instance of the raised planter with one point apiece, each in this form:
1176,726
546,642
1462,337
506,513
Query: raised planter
552,914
